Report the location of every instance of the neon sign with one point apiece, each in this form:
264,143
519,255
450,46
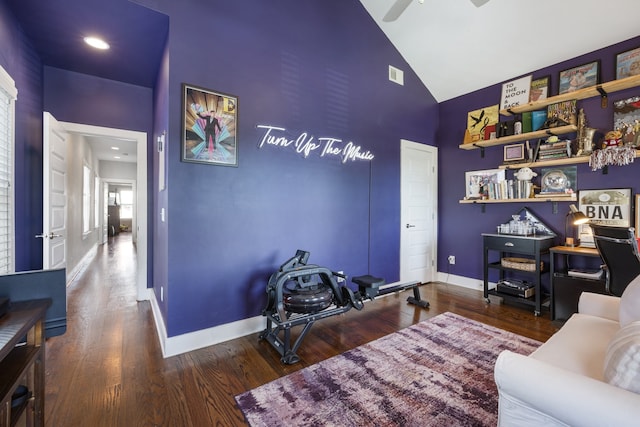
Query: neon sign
306,144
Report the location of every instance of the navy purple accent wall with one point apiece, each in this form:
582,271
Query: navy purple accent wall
19,58
316,67
160,251
461,224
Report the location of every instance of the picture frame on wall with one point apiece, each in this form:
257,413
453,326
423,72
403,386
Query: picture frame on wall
628,63
540,89
209,127
611,206
580,77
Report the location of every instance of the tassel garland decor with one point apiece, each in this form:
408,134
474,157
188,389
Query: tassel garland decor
617,156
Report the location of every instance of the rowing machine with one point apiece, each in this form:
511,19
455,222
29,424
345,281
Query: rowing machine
300,294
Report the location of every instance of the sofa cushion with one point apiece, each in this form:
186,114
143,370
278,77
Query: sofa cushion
630,303
580,345
622,361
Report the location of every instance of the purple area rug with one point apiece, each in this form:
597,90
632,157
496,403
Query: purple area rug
438,372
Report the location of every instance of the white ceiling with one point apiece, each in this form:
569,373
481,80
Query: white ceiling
456,48
103,148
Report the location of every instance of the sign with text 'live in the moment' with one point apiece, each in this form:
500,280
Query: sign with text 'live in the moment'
306,144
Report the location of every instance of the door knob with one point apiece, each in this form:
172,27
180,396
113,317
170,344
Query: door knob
410,225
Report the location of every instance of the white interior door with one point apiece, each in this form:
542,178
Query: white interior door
418,211
54,212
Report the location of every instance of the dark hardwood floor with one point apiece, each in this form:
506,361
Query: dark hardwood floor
108,370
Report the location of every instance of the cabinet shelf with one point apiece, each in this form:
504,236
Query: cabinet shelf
602,89
543,133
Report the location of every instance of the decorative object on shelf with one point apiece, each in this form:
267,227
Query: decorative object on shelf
612,156
561,114
554,148
515,93
628,63
626,120
525,223
585,135
580,77
477,182
540,89
525,186
478,120
513,153
505,128
209,127
574,218
559,181
613,138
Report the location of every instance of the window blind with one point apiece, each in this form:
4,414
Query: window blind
7,96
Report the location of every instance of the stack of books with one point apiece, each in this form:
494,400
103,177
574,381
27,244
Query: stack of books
554,150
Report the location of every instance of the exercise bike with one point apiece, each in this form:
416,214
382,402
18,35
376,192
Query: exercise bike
300,294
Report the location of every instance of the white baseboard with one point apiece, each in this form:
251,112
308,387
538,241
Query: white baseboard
82,264
172,346
465,282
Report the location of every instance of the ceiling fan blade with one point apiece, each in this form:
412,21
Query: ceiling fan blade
478,3
396,10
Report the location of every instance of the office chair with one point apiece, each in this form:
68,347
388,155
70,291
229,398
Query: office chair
618,249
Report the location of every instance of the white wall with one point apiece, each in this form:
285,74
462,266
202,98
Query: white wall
78,245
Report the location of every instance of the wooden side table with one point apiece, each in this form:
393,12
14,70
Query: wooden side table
565,289
22,363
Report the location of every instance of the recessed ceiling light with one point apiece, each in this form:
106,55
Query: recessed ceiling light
115,148
116,157
96,42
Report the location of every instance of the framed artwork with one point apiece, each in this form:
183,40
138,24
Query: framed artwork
575,78
628,63
626,119
540,89
209,127
478,120
515,93
476,182
514,152
610,207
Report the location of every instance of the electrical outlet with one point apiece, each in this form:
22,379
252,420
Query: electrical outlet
452,259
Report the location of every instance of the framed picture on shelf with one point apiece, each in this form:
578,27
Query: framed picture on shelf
628,63
513,153
626,119
478,120
515,93
575,78
476,182
610,207
540,89
209,127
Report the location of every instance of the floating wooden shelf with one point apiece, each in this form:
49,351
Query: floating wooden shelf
528,200
602,89
551,162
560,130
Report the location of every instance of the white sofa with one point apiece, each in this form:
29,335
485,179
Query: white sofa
586,374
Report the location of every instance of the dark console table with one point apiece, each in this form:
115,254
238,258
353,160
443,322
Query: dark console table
566,289
533,247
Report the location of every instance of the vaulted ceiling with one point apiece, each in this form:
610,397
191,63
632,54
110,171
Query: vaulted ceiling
453,46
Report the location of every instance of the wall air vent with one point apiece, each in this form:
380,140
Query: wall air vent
396,75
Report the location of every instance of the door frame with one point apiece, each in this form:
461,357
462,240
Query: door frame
142,290
405,144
